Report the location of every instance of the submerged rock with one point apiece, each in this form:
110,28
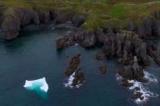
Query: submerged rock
103,69
100,55
141,94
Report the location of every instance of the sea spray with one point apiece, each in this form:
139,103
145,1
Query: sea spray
69,82
139,88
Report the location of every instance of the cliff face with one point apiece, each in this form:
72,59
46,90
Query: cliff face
143,18
14,19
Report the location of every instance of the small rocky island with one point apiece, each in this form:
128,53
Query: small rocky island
125,30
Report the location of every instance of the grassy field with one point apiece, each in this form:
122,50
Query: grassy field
98,12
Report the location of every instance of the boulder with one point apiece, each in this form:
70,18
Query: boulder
137,95
125,83
79,78
100,55
132,72
103,69
65,41
73,65
85,39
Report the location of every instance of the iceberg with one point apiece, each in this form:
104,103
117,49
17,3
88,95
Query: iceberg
40,86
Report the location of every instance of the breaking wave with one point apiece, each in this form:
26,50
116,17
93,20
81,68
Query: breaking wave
141,93
69,82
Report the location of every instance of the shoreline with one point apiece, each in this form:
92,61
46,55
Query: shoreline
125,43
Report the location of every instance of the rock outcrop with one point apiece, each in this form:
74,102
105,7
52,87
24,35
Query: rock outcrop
16,18
74,70
132,72
65,41
83,38
73,65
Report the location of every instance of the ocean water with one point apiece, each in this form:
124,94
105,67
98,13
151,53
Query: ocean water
33,56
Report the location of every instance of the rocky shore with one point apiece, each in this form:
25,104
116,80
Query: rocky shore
134,49
132,45
14,20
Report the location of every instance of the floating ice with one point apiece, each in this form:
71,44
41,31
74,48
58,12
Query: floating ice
40,86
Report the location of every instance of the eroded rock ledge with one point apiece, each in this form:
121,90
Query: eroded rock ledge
74,73
13,20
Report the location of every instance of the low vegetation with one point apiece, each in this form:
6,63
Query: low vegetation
99,12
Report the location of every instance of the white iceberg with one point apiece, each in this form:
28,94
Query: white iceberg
37,85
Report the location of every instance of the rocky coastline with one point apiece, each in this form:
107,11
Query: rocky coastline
133,49
132,46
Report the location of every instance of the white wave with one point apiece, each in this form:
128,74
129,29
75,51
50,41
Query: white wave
150,77
139,87
146,94
118,77
135,84
70,80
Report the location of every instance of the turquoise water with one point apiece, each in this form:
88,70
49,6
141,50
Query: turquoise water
33,56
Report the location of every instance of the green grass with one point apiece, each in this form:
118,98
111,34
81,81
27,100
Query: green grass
99,12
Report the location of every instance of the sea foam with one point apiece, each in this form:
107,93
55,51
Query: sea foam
69,82
145,93
139,87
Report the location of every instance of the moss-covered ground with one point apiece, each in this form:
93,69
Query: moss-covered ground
98,12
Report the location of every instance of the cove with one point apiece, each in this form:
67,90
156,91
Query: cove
34,55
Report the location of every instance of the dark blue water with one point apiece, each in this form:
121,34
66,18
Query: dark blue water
34,55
